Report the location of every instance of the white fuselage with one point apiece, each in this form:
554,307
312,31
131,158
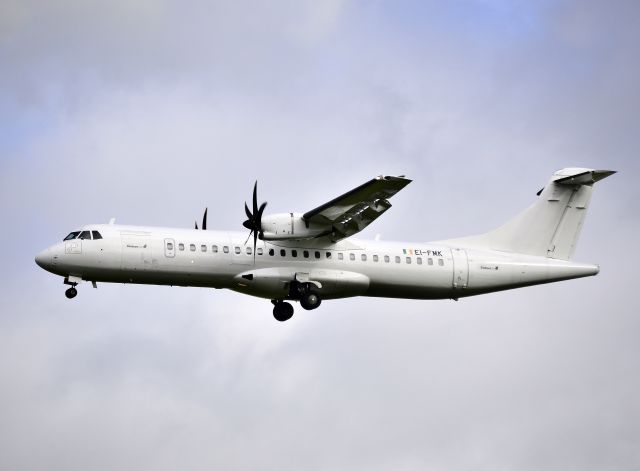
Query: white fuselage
216,259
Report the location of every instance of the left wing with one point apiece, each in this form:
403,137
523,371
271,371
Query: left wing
350,213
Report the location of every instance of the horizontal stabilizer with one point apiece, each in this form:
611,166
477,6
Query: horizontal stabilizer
581,176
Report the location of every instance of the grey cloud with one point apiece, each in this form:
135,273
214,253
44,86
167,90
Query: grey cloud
82,46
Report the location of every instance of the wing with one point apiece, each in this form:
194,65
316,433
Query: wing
350,213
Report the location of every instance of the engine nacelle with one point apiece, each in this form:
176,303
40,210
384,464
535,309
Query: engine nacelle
289,226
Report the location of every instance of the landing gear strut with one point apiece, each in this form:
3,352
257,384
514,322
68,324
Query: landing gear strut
282,311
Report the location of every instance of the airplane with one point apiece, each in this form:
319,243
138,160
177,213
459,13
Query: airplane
311,257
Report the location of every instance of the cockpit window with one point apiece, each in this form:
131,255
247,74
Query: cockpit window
85,235
73,235
96,235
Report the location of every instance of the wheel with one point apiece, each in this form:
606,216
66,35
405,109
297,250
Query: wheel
71,293
310,300
282,311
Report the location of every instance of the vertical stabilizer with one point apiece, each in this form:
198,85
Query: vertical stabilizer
551,226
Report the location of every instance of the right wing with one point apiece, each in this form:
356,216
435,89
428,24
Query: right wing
350,213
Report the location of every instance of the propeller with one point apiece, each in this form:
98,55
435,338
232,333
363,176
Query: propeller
204,221
254,219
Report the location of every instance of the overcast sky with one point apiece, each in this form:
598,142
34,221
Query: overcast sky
148,111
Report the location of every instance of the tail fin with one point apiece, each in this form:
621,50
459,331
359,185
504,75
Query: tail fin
551,226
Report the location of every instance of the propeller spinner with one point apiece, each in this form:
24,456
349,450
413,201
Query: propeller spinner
254,219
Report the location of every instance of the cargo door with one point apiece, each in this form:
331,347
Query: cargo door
136,253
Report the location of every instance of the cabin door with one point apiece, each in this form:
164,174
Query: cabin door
460,268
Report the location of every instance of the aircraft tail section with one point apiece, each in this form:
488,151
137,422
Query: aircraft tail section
551,226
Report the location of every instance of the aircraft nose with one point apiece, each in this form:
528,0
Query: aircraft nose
43,259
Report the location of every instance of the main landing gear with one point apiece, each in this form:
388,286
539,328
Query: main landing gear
303,292
282,311
310,300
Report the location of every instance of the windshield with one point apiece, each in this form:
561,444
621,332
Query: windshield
73,235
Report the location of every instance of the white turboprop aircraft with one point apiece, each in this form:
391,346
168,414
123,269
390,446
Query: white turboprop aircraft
310,257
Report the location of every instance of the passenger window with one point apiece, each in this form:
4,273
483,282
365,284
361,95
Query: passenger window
305,253
192,247
363,257
340,256
440,262
430,261
214,248
271,252
259,251
249,251
181,246
408,260
203,248
73,235
328,254
317,254
225,249
375,258
397,259
96,235
352,256
283,253
419,260
294,253
386,259
85,235
237,250
169,246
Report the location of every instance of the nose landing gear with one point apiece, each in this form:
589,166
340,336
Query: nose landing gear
73,282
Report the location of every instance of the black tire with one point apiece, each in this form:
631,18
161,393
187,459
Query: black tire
282,311
310,300
71,293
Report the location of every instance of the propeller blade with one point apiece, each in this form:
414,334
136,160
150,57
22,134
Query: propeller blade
260,211
254,220
255,241
196,223
204,219
255,198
